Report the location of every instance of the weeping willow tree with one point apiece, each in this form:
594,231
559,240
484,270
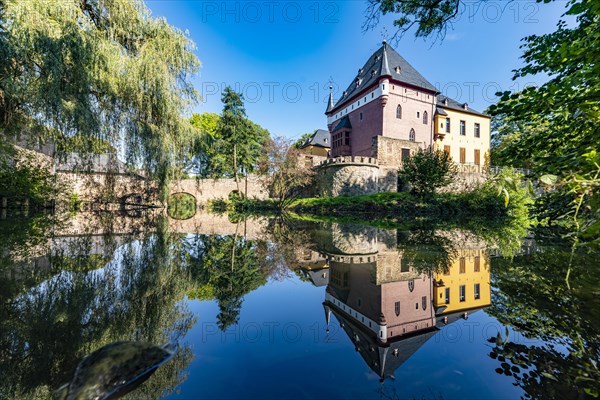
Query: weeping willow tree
101,69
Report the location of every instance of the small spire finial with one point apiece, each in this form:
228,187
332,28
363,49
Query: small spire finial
384,35
330,103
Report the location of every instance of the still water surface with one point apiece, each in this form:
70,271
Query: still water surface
261,309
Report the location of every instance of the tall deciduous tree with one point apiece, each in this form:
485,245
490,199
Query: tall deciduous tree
98,68
232,147
242,138
283,172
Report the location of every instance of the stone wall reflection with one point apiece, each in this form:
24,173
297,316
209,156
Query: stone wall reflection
391,291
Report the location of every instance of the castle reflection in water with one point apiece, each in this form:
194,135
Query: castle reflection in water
383,295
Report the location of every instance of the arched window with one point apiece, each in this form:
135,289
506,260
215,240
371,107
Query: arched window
399,111
425,117
411,135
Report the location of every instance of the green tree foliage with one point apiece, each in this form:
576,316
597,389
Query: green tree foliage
230,143
557,122
298,143
103,69
428,170
200,151
23,177
554,128
531,296
241,138
206,122
429,16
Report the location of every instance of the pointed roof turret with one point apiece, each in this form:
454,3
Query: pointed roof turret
384,62
385,67
330,104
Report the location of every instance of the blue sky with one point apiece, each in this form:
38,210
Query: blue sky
281,54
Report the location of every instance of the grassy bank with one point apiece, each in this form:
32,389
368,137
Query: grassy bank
393,208
405,204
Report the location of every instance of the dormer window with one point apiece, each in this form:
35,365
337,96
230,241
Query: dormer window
372,72
446,101
465,106
345,93
397,69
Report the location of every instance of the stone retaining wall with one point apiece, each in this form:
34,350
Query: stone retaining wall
347,178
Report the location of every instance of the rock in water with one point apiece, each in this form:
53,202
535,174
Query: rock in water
115,370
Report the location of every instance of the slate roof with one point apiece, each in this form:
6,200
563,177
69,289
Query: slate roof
380,358
318,277
455,105
383,63
344,123
320,138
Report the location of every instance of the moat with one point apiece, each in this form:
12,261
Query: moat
282,308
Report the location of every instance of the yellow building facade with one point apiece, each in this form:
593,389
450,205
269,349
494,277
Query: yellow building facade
465,284
318,144
463,133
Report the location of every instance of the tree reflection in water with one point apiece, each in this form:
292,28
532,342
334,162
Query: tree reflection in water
533,297
229,266
64,297
46,330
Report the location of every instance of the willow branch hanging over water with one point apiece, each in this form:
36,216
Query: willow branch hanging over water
99,68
